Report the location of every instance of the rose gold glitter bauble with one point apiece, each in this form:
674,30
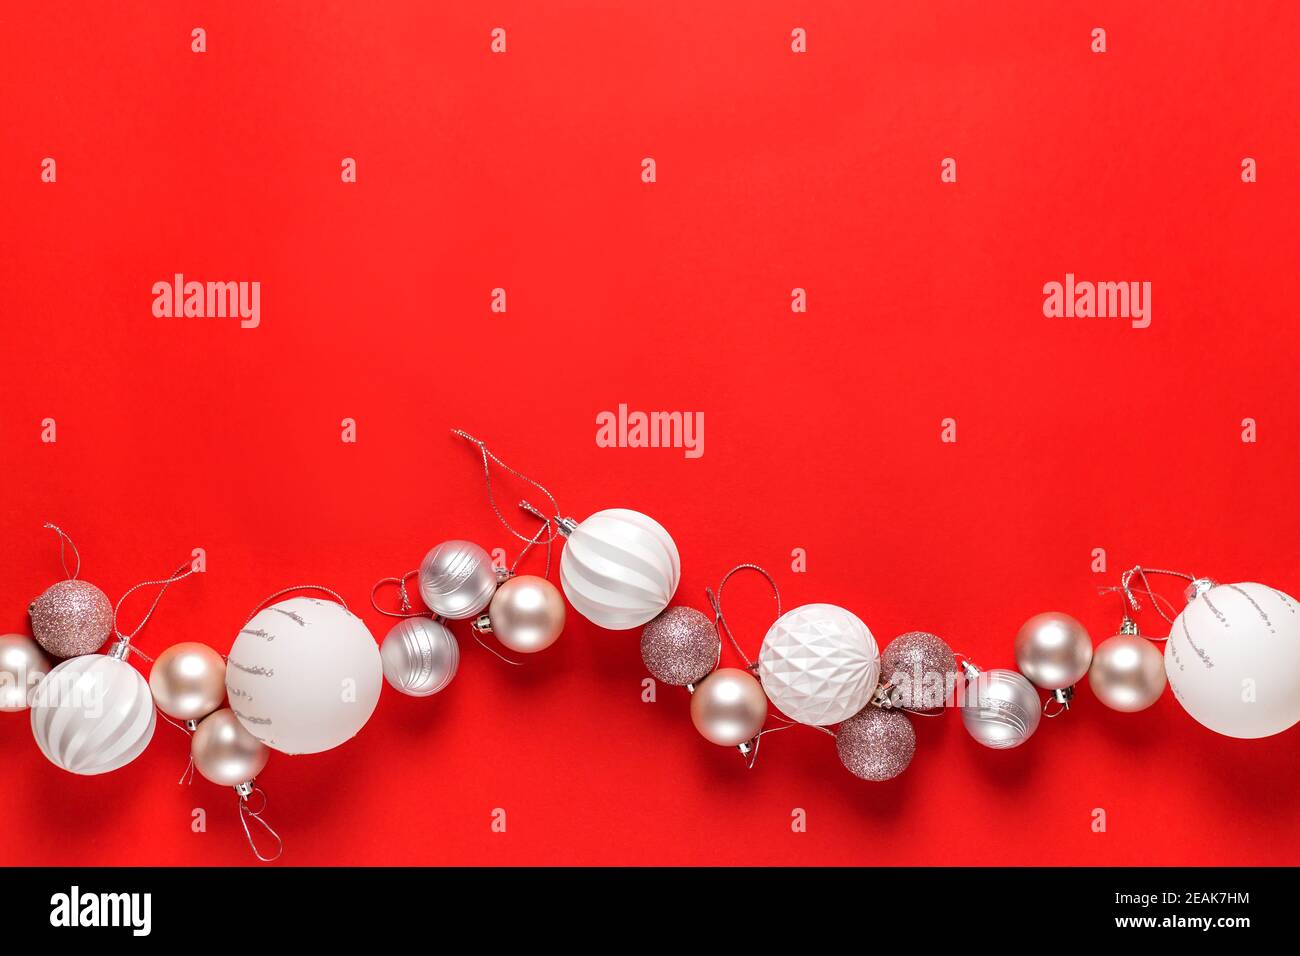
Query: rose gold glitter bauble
876,744
71,618
680,646
921,668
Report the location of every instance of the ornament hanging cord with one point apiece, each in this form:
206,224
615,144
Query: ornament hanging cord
1126,588
402,593
247,813
487,458
65,540
720,622
299,587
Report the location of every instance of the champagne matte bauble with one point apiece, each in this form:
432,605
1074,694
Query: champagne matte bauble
526,614
22,666
1127,673
188,680
728,707
224,752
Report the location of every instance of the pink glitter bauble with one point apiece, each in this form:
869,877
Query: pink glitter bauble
876,744
680,646
921,668
71,618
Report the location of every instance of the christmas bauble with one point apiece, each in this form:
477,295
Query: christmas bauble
526,614
457,580
1127,673
1233,660
876,744
224,752
728,707
419,656
1053,650
188,680
619,568
1001,709
304,675
22,666
92,714
819,664
71,618
920,669
680,646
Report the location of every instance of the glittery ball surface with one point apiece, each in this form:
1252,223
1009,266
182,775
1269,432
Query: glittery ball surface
876,744
922,669
680,646
71,618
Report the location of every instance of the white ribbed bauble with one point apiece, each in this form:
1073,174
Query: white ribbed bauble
619,568
1233,659
304,675
819,664
92,714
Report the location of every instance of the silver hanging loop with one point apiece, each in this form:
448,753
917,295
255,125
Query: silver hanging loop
720,621
246,812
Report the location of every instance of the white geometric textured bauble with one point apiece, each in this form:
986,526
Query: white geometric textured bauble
304,675
92,714
819,664
619,568
1233,660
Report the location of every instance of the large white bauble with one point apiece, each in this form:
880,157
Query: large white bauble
819,664
619,568
1233,660
92,714
304,675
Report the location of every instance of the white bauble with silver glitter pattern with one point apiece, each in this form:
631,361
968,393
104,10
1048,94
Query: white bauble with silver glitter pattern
420,656
304,675
1233,659
819,664
92,714
457,580
619,568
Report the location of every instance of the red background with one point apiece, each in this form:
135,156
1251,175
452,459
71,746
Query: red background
775,170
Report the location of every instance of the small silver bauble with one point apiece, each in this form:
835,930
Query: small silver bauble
457,580
420,656
1000,708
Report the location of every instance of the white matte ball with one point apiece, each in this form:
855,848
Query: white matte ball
819,664
92,714
619,568
304,675
1233,660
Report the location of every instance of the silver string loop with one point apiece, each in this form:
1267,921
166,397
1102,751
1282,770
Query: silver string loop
299,587
401,591
64,539
1126,588
488,458
715,602
180,574
246,813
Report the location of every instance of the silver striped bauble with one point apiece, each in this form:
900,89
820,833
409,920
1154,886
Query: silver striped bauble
619,568
1001,709
420,656
457,580
92,714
